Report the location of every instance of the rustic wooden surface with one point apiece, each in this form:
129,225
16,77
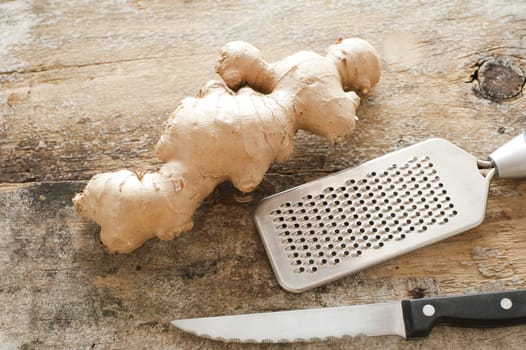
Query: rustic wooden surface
86,86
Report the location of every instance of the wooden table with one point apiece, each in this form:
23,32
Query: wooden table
85,87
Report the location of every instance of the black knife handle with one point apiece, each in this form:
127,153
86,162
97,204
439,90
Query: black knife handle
478,310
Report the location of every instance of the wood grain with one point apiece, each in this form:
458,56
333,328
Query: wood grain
86,87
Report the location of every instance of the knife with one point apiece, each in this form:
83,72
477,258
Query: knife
407,318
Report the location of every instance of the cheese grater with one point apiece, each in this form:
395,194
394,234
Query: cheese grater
359,217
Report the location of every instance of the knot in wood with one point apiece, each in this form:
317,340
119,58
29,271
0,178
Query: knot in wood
417,293
498,79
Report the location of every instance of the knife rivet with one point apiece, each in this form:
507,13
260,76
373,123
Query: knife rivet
506,303
428,310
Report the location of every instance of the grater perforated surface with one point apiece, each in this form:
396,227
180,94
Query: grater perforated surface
345,222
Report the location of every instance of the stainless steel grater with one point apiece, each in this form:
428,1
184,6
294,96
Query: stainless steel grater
343,223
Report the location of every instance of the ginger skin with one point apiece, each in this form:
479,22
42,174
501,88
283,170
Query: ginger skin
232,131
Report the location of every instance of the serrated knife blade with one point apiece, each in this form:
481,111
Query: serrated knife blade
300,325
406,318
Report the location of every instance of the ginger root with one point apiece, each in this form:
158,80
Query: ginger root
232,131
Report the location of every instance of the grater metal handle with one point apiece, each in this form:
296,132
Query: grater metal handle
510,159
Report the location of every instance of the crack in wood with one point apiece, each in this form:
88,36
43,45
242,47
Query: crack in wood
42,69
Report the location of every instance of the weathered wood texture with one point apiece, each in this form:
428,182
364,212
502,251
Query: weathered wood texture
85,87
